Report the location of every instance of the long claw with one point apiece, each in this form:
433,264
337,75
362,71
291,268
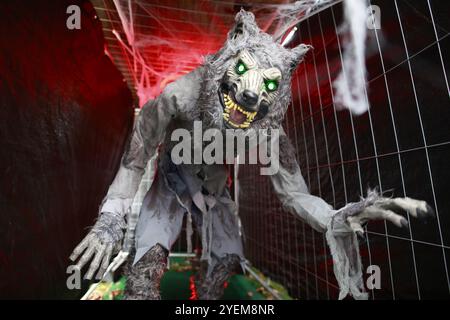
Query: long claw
421,214
105,262
404,223
86,257
374,213
80,248
95,263
425,214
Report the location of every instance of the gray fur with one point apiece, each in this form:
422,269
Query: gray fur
143,279
211,286
109,228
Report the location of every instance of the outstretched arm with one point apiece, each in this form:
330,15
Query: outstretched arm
341,226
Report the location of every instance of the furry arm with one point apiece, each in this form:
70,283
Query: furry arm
290,187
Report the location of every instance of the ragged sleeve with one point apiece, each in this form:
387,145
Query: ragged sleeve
291,189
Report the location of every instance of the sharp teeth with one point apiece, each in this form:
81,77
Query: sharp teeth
231,105
250,117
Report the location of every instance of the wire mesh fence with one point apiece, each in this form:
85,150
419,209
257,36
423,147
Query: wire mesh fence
400,146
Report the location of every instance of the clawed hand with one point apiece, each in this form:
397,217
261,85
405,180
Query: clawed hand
381,208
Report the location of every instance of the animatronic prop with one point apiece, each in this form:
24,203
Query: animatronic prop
245,85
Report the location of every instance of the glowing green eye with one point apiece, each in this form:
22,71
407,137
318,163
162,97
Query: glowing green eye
240,68
271,85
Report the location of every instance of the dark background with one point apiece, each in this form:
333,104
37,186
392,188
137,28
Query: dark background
64,115
403,144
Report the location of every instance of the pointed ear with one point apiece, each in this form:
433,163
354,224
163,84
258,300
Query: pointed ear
298,54
244,25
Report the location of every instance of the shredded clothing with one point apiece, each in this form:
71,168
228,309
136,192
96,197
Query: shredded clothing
199,191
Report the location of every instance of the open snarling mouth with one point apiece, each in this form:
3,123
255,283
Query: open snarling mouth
235,115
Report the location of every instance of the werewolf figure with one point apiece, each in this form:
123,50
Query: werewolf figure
245,86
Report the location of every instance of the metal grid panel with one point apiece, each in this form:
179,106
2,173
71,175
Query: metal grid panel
402,143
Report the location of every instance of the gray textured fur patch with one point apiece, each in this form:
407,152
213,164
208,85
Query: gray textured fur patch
211,286
144,278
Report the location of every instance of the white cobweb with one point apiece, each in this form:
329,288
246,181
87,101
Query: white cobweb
163,41
350,85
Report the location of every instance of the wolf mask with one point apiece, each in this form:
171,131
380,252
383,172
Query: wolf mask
248,79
